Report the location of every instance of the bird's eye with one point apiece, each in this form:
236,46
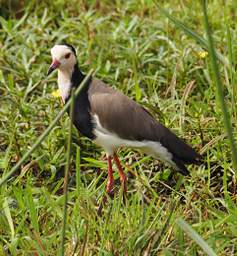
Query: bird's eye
67,55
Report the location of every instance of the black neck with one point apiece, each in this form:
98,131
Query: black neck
81,115
77,76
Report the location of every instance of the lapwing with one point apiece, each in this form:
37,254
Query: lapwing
113,120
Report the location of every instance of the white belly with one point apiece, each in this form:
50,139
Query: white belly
111,142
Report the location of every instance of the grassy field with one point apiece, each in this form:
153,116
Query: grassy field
134,47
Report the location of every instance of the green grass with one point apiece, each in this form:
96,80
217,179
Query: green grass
135,48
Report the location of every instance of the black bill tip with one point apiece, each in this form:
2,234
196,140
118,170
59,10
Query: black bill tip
53,66
50,70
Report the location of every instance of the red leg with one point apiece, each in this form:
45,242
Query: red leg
109,187
110,183
122,175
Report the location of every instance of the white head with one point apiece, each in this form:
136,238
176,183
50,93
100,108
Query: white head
64,58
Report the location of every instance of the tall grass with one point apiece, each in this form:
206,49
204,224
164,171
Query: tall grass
157,62
219,87
209,46
69,152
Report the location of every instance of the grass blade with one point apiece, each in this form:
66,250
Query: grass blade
157,241
46,132
232,71
69,150
33,214
9,217
78,170
195,236
219,86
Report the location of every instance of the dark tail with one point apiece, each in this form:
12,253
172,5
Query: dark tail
182,153
181,166
180,163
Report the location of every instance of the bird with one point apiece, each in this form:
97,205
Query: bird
112,120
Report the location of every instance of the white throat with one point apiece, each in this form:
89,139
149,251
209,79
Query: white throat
64,83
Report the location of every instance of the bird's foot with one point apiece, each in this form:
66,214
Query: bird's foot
103,203
110,188
123,181
110,193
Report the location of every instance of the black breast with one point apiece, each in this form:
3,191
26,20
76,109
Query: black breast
82,117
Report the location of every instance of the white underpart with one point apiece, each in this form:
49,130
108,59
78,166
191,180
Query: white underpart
65,69
111,142
64,83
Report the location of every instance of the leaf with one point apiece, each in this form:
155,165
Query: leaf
195,237
96,163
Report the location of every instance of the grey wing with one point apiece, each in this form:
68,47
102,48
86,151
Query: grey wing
124,117
119,114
